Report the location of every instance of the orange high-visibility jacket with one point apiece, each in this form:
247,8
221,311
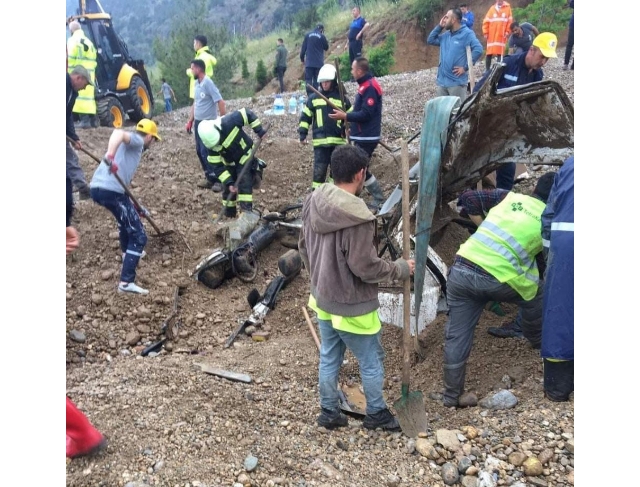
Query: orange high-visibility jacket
495,27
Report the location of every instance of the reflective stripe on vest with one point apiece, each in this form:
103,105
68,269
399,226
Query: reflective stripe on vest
507,241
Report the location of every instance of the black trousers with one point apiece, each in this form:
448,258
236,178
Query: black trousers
311,78
569,50
355,50
280,74
368,147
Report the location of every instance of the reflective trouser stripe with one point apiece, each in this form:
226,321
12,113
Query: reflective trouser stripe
229,203
562,226
247,198
329,141
314,185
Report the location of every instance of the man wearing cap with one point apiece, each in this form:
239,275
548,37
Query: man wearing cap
228,150
312,55
123,156
502,261
76,81
521,69
82,52
207,105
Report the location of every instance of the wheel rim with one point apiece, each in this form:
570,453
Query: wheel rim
116,116
145,104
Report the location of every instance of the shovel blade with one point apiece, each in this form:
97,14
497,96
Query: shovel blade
352,401
411,414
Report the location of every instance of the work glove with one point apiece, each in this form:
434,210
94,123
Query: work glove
108,160
189,126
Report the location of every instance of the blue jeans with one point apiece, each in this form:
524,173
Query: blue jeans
167,105
202,152
367,349
132,235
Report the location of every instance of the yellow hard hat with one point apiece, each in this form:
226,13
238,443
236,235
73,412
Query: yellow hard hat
209,132
547,43
149,127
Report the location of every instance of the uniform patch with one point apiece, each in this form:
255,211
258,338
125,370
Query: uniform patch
370,102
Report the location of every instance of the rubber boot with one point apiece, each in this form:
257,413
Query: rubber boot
82,438
85,122
453,384
558,379
95,121
373,187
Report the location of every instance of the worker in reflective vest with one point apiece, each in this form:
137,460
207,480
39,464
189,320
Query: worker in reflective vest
81,51
499,262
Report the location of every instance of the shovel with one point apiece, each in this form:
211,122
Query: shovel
350,408
409,408
159,232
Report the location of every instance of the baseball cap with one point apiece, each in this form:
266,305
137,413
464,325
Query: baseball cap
82,71
547,43
149,127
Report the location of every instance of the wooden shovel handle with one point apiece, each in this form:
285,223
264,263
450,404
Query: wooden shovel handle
406,252
311,328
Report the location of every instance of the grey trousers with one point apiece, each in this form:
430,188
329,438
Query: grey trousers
74,171
459,91
467,294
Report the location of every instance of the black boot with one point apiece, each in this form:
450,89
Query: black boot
453,384
332,419
558,380
382,419
374,189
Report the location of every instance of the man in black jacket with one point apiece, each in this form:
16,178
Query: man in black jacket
365,121
312,55
76,81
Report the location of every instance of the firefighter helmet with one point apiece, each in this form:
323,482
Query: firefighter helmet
327,73
209,132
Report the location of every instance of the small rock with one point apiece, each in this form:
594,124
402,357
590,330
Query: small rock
450,474
569,445
393,480
410,447
464,464
470,432
448,439
158,465
469,481
77,336
468,400
81,311
243,478
426,449
517,374
545,456
341,444
537,482
106,275
532,467
570,477
96,298
250,463
284,423
517,458
500,400
132,338
250,330
114,235
485,479
260,336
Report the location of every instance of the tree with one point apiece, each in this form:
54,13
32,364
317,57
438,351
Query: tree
546,15
261,74
245,69
381,58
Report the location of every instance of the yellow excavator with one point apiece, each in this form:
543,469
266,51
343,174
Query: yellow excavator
122,84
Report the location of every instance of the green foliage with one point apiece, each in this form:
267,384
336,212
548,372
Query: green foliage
327,8
245,69
306,19
546,15
381,57
175,52
261,74
345,66
424,10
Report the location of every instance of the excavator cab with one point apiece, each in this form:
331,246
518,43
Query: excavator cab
122,84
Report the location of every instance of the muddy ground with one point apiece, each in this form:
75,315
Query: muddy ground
169,424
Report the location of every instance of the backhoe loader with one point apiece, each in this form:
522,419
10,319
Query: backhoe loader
123,89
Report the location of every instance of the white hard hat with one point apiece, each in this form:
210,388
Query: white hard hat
327,73
209,132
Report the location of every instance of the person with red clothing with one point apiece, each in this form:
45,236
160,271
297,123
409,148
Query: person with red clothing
82,437
495,28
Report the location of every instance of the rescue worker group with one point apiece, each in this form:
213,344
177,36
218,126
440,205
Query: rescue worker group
502,261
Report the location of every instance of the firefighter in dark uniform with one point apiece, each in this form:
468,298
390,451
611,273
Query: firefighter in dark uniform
228,150
327,133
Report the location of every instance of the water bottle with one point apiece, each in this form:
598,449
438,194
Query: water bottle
301,102
278,105
293,105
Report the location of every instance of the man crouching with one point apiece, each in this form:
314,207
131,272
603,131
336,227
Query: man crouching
337,248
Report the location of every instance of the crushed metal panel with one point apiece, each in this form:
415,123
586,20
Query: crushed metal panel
529,124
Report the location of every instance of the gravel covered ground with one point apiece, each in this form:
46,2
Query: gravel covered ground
169,424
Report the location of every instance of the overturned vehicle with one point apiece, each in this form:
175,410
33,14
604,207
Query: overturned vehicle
461,144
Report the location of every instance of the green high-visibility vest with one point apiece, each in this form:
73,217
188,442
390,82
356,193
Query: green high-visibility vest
507,242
